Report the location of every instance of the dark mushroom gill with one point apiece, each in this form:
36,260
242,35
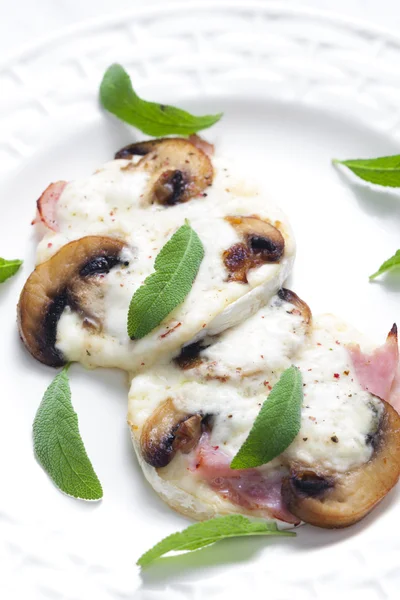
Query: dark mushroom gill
179,170
57,283
341,499
261,243
169,430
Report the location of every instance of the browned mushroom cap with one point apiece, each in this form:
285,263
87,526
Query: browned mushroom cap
143,148
189,356
167,431
262,243
178,170
58,282
300,306
138,148
341,500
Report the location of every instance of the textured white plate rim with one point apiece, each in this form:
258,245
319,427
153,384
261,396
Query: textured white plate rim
159,7
116,572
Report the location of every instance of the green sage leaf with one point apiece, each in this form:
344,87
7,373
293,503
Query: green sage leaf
8,268
58,444
383,171
205,533
118,97
276,425
388,265
176,267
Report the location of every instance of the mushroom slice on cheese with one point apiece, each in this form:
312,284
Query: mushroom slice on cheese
262,243
66,279
364,434
333,500
138,148
143,203
178,169
143,148
345,458
167,431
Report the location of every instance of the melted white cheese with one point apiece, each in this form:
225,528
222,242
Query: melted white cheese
257,350
337,415
109,203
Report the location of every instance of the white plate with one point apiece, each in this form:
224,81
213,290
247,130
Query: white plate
297,89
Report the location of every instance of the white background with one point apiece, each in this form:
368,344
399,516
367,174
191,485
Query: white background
24,22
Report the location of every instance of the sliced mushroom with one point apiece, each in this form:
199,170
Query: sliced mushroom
86,296
138,148
143,148
63,280
187,434
85,291
189,356
340,500
262,243
301,306
178,169
167,431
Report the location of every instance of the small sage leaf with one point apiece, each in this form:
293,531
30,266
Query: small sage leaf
388,265
118,97
383,171
276,425
8,268
58,444
176,267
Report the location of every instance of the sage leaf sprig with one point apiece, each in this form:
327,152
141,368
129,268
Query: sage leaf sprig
205,533
276,425
176,267
58,444
383,171
388,265
118,97
8,268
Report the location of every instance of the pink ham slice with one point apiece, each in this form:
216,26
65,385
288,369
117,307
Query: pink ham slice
47,205
201,144
378,372
249,488
394,395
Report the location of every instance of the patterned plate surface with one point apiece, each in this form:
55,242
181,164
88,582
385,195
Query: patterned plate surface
298,88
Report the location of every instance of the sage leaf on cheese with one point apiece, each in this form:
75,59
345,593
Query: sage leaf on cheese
276,425
388,265
118,97
205,533
58,444
383,171
8,268
176,267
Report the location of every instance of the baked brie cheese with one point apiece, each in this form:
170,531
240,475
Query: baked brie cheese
103,233
189,418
